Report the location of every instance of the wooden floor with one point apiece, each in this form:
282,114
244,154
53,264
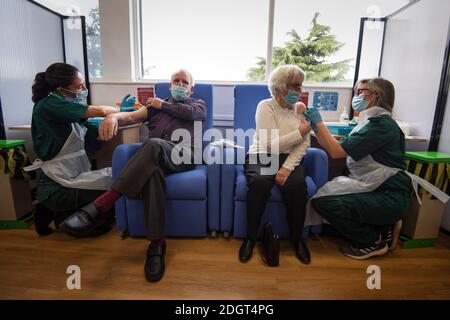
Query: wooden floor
33,267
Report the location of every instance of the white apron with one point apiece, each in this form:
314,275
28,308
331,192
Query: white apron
366,175
71,167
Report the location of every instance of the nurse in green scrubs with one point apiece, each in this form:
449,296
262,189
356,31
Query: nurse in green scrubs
367,206
59,94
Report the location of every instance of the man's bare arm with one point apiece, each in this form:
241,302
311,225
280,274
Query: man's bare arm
110,125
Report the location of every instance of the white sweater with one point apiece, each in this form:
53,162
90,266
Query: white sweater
270,115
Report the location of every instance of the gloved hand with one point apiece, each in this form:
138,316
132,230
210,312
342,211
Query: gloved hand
313,115
128,104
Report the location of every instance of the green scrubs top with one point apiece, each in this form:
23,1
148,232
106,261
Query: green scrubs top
381,138
50,128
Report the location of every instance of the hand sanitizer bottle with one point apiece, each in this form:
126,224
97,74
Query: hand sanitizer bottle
343,119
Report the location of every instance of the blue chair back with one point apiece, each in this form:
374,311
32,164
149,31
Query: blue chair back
201,91
246,99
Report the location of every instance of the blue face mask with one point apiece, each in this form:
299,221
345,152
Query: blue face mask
80,96
359,104
292,97
179,93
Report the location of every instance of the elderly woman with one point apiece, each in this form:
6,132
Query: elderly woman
282,114
367,206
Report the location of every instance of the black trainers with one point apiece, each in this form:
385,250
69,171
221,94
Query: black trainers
378,249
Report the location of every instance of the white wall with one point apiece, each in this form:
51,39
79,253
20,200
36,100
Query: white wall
117,51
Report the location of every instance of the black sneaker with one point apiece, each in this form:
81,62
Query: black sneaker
378,249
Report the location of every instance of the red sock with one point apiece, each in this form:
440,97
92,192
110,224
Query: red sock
106,201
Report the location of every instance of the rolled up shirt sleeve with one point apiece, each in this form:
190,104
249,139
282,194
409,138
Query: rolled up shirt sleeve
64,111
189,110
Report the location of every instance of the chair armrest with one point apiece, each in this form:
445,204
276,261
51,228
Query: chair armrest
316,166
121,155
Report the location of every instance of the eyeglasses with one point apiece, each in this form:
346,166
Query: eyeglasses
359,91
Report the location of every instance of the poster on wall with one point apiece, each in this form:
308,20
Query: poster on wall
326,100
304,98
144,93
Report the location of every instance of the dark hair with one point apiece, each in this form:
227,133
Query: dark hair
56,75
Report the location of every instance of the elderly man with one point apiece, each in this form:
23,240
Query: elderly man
143,176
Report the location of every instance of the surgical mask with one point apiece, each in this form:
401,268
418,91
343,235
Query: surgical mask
80,96
359,104
179,93
292,97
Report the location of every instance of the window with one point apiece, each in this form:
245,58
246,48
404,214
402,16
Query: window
321,36
215,40
227,40
89,9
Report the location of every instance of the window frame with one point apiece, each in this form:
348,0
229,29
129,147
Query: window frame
138,56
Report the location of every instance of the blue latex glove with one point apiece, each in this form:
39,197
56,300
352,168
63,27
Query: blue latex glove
313,115
128,104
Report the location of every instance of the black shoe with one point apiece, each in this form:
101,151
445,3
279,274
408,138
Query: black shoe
154,265
83,222
101,230
302,252
246,250
379,248
42,218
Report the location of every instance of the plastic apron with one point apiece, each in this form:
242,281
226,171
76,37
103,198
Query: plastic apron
366,175
71,167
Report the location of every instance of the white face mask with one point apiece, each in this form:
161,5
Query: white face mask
359,104
80,96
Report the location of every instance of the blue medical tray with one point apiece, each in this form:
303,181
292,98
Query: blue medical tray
340,130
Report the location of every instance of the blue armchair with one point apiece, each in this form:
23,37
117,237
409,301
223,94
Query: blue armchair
192,197
233,217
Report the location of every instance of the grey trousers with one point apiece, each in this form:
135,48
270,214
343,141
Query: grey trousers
144,178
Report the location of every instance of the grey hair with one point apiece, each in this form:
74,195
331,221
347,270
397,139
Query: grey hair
191,78
282,76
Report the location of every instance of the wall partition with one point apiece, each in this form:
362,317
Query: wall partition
414,55
32,38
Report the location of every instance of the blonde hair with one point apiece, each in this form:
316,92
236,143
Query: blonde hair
383,89
282,76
